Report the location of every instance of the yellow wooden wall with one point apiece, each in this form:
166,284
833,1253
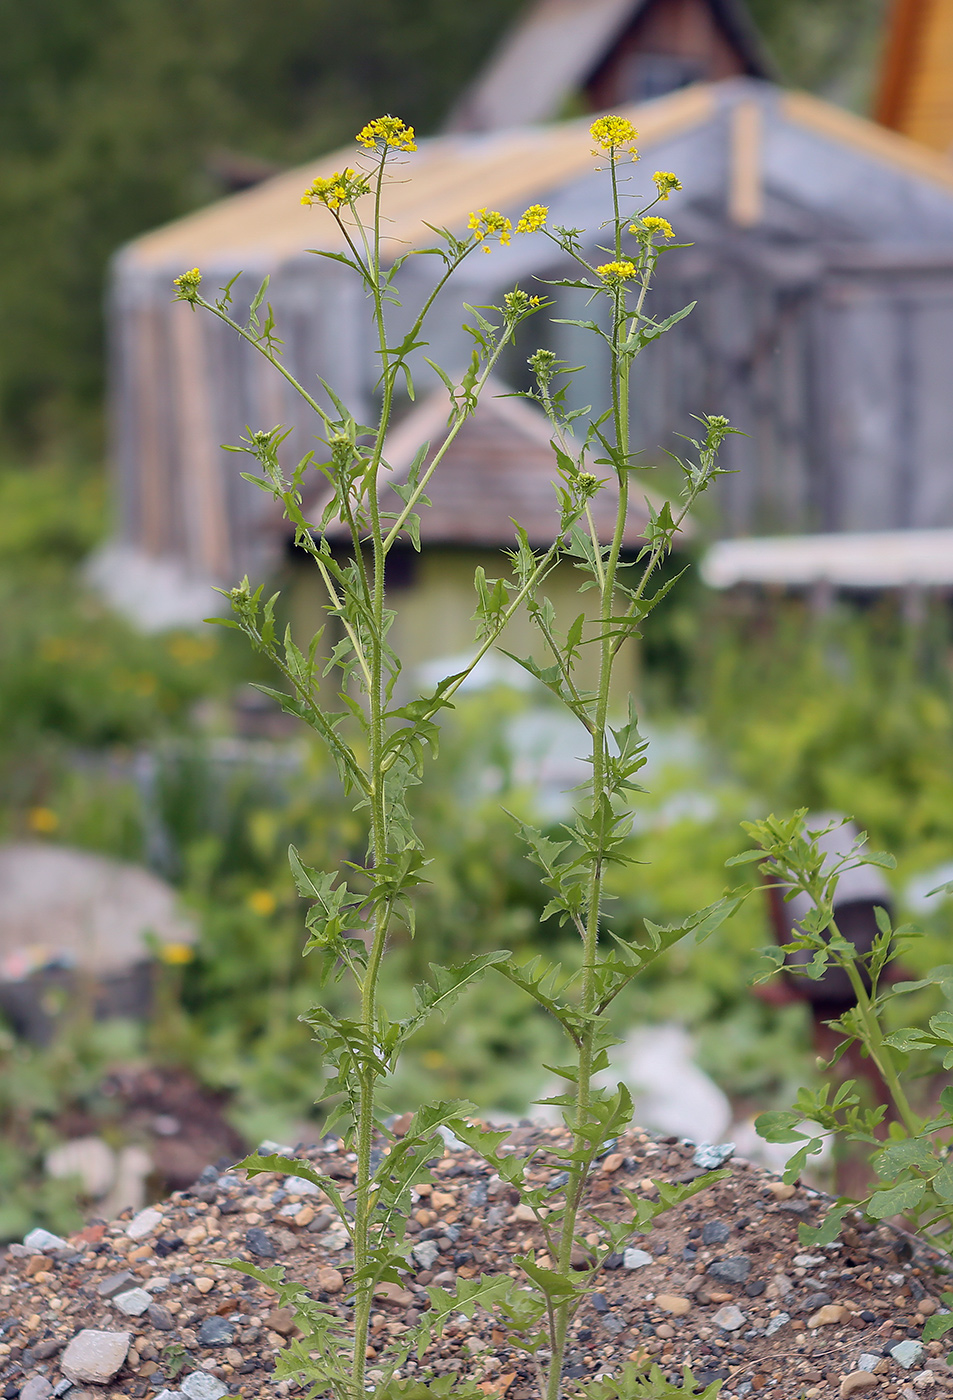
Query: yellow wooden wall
916,86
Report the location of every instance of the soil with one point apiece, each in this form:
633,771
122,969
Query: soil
722,1284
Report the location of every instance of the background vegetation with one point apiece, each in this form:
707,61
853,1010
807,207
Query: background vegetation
116,115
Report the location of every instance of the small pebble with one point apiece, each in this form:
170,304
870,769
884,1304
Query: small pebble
259,1243
134,1302
216,1332
857,1380
729,1318
732,1270
710,1155
635,1259
144,1223
715,1232
908,1353
201,1386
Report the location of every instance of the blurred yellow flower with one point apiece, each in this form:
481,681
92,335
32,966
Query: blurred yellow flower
42,819
188,284
176,954
387,133
262,902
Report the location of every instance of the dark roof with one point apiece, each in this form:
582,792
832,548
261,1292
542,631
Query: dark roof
556,46
501,467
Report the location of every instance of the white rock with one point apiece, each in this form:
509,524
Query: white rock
168,1395
776,1323
36,1388
133,1303
908,1353
425,1253
97,912
301,1186
635,1259
89,1158
925,1378
144,1223
671,1094
809,1261
95,1356
201,1386
129,1189
867,1361
45,1242
729,1318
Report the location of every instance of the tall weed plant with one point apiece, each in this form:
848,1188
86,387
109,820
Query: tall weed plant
346,690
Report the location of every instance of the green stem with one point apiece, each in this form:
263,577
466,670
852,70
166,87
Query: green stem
583,1148
877,1048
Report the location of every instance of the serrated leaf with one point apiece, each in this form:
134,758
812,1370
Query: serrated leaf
896,1200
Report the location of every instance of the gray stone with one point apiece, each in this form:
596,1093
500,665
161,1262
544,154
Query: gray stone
216,1332
36,1388
44,1350
301,1186
116,1283
134,1303
44,1241
95,1356
908,1353
425,1254
201,1386
635,1259
729,1318
160,1317
144,1223
63,1387
867,1361
168,1395
710,1155
776,1323
260,1243
733,1270
715,1232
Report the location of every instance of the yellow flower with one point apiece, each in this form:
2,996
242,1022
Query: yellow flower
666,182
176,954
188,284
42,819
614,135
262,902
518,303
616,271
489,223
387,133
653,223
340,188
534,218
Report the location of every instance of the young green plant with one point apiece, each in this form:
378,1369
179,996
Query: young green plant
378,740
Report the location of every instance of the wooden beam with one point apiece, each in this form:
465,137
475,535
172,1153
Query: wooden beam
745,180
905,31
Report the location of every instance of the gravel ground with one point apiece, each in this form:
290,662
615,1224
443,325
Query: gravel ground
135,1307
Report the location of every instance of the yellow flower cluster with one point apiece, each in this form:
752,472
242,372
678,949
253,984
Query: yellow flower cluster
340,188
489,223
188,284
176,954
654,223
519,303
666,182
387,133
616,271
614,135
533,219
